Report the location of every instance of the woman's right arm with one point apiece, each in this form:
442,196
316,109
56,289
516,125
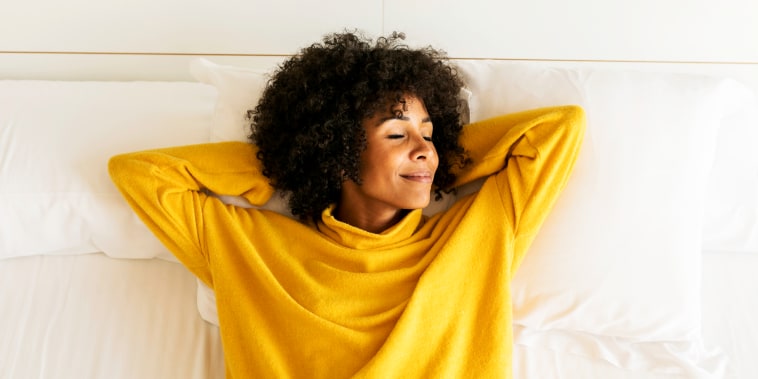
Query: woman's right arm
168,188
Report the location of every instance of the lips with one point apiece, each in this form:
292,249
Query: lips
421,177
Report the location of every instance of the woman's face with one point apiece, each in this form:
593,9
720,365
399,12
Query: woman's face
397,168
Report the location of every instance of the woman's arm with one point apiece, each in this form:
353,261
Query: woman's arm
168,188
532,154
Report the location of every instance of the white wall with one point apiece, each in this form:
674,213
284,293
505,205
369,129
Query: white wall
655,30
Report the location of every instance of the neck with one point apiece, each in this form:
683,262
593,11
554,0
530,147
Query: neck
374,222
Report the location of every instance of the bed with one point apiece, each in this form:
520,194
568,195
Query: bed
645,269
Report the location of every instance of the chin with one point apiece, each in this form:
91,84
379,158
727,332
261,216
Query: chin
421,204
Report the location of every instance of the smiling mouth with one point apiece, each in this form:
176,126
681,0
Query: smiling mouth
420,177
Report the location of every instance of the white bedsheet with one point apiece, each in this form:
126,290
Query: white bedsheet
540,363
730,309
91,316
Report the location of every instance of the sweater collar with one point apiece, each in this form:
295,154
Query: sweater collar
356,238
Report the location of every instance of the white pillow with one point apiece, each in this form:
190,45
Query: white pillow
731,222
55,141
619,257
238,89
732,203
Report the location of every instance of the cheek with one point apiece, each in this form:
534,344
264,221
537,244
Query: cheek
373,169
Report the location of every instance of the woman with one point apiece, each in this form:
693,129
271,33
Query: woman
358,135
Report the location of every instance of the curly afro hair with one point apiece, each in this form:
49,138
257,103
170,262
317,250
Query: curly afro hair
307,124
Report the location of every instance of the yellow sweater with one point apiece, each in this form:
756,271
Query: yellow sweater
429,297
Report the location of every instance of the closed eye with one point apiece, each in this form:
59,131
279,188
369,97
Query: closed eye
428,139
395,136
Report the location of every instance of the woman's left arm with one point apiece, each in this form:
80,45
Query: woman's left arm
532,154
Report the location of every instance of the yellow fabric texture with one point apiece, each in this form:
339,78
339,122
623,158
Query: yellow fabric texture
427,298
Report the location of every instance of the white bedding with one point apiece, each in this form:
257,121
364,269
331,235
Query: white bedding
730,308
96,316
91,316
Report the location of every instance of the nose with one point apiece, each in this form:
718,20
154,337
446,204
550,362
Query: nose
422,149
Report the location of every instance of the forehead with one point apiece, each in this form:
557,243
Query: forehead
394,106
403,103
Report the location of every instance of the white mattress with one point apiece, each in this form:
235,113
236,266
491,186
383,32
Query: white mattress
91,316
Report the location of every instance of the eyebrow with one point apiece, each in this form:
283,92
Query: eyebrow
404,118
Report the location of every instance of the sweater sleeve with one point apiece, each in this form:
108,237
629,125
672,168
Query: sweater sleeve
531,154
168,188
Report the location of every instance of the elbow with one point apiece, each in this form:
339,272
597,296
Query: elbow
119,168
115,165
575,122
574,116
